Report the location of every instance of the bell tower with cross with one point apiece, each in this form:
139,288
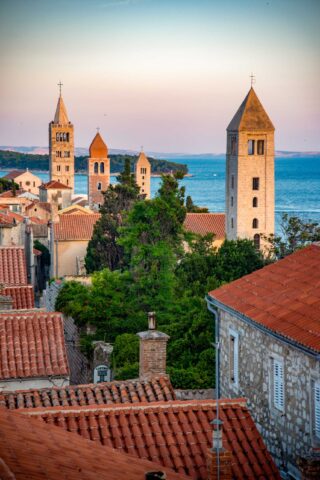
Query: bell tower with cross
250,172
98,172
61,145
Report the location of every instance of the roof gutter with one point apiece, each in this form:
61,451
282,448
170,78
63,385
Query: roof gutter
213,303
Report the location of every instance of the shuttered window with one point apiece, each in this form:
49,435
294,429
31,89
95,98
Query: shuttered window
234,358
317,409
278,385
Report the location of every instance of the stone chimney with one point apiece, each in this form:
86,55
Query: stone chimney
218,459
153,350
6,301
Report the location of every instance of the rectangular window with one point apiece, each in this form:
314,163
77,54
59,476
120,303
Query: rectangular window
232,181
250,147
58,168
255,183
278,384
66,154
260,147
67,168
233,145
234,358
143,171
231,201
58,153
316,409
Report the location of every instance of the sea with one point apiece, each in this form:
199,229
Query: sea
297,185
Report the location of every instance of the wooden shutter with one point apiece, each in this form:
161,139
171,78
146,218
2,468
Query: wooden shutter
317,409
278,385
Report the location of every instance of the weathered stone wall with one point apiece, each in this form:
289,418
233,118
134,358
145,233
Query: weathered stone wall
50,295
287,434
95,196
199,394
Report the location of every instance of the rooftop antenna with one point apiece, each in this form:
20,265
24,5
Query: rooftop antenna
60,85
253,79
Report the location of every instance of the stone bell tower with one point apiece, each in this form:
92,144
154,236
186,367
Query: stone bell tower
143,175
250,173
98,172
61,146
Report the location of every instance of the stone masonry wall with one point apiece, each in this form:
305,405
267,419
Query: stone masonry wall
287,434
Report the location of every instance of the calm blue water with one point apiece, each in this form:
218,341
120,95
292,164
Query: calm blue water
297,185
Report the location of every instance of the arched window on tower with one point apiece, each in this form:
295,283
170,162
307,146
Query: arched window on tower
255,201
99,185
96,167
256,241
102,167
255,223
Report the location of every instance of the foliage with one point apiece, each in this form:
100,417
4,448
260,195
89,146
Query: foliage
126,355
7,184
45,257
295,234
192,208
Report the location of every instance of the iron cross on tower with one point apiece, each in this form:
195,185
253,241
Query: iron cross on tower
60,85
253,79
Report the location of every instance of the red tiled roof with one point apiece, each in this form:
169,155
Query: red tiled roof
13,266
203,223
38,221
9,194
35,451
32,345
54,184
283,297
6,220
129,391
22,296
14,174
45,205
75,227
175,434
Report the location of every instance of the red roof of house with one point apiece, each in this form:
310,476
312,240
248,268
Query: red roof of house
13,266
44,205
129,391
75,227
22,296
175,434
14,174
9,194
284,297
203,223
6,219
35,451
38,221
54,184
32,345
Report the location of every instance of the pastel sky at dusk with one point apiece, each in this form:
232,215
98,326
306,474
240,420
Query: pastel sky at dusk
166,74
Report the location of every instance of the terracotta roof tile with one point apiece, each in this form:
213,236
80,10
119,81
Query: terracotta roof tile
14,174
54,184
35,451
75,227
288,301
9,194
203,223
32,345
176,434
129,391
22,296
45,205
13,266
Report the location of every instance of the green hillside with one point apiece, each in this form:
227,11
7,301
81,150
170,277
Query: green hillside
21,161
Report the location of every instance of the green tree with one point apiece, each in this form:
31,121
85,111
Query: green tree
192,208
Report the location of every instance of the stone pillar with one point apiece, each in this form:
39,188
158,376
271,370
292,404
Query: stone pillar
153,351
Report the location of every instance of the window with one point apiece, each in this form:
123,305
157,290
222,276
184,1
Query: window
250,147
278,384
143,171
256,241
255,223
255,183
232,181
232,225
142,177
231,201
27,183
20,183
142,190
96,167
99,186
58,168
234,357
255,202
260,147
58,154
316,408
233,145
67,182
102,167
66,154
142,183
34,184
67,168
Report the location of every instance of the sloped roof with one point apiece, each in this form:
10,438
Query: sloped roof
45,205
129,391
175,434
203,223
61,116
75,227
251,115
6,220
14,174
13,269
284,297
9,194
22,296
54,185
98,149
35,451
143,160
75,209
32,345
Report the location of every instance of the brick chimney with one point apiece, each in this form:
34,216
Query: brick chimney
218,459
153,350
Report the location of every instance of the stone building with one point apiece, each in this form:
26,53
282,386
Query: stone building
26,180
269,329
250,173
56,193
204,223
61,147
143,175
98,172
